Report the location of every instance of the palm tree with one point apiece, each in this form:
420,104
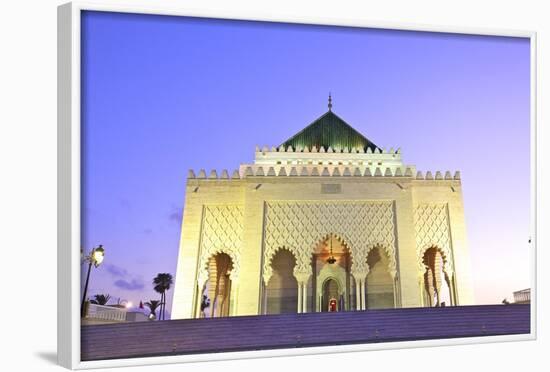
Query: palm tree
153,305
101,299
204,304
162,283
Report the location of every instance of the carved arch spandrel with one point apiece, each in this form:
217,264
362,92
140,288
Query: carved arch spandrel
222,232
299,224
432,230
268,268
388,251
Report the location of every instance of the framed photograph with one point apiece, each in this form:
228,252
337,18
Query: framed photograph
236,186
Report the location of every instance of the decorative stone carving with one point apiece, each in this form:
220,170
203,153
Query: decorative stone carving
221,233
293,172
432,229
300,226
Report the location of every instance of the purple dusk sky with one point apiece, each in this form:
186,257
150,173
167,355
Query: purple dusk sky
161,95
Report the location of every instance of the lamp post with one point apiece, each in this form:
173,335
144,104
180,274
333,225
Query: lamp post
94,258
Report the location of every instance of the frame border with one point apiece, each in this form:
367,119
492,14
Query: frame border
68,178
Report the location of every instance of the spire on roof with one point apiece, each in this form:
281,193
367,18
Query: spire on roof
329,102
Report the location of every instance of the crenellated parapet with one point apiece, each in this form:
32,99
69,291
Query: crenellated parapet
355,156
253,170
328,150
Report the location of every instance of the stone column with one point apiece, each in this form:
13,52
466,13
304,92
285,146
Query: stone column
234,296
363,295
421,285
357,295
299,310
394,292
302,279
264,297
199,301
360,277
304,298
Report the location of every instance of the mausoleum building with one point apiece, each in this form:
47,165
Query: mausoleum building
325,221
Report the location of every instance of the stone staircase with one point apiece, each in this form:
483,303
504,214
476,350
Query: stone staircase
192,336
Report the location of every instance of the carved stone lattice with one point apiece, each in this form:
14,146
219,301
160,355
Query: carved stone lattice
432,230
221,233
300,226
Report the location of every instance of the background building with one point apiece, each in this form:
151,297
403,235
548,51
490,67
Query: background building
523,296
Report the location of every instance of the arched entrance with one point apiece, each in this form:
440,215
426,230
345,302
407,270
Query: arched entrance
380,283
437,284
331,279
331,298
282,289
217,288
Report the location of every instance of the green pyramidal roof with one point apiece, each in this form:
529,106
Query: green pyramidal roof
329,131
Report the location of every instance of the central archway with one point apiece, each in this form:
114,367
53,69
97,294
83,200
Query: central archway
331,263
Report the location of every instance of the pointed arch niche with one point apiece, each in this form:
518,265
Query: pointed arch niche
217,287
438,288
380,286
281,291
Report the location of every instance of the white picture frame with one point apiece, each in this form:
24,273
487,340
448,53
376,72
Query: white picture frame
69,185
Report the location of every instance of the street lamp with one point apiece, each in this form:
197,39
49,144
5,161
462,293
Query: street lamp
94,258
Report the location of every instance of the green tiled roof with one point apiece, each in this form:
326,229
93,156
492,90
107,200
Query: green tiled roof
329,131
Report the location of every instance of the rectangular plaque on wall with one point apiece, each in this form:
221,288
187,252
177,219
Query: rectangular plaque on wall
331,188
